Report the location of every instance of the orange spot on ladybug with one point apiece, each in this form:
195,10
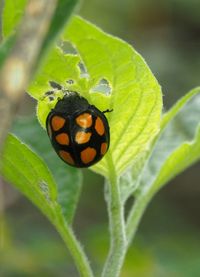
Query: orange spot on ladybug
99,127
88,155
66,157
104,147
82,137
84,120
63,139
57,122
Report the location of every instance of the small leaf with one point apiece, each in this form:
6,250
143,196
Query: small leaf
29,174
12,13
178,145
68,179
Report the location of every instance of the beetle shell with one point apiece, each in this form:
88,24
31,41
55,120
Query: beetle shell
79,132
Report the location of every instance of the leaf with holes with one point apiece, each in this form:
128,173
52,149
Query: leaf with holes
111,75
135,94
57,67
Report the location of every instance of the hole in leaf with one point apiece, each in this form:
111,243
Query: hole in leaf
83,70
55,85
68,48
102,87
49,94
70,82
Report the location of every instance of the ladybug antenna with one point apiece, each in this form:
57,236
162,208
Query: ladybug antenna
108,111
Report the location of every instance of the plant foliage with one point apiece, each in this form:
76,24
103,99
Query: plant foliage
146,151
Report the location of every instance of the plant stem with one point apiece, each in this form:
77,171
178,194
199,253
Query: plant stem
118,243
135,214
73,246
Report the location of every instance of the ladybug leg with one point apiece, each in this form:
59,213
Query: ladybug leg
108,111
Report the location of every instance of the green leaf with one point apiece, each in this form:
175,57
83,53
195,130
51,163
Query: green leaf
28,173
185,155
178,106
56,67
178,145
130,181
12,13
107,64
68,179
135,94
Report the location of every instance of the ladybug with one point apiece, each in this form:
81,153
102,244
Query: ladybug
79,132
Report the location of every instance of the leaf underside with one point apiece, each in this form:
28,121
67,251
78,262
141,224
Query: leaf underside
177,146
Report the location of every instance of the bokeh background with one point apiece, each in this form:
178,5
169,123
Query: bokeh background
167,34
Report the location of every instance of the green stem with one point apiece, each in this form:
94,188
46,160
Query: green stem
73,246
118,243
136,213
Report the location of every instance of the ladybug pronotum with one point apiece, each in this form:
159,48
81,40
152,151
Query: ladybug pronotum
78,131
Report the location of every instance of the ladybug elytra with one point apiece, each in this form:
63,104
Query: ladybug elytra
79,132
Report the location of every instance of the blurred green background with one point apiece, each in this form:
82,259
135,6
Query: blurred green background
167,34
